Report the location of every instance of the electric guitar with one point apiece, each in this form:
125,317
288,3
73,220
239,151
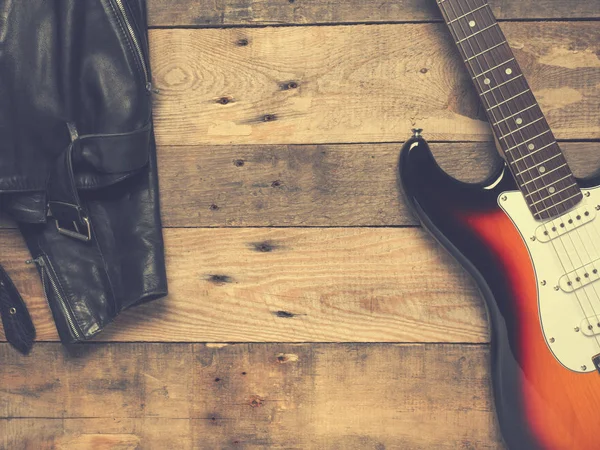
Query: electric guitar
530,236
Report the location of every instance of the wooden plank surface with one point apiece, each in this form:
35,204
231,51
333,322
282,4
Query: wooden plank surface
156,396
261,12
290,285
364,83
312,185
299,126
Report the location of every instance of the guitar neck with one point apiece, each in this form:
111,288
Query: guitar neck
529,146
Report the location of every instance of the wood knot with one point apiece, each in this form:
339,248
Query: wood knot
224,100
276,184
269,118
242,42
264,247
219,279
289,85
239,163
256,402
214,207
283,358
424,70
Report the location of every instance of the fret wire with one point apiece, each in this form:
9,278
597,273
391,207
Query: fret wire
493,68
516,114
519,129
539,150
490,108
479,32
562,201
480,39
534,158
483,44
546,173
509,99
502,84
485,51
465,15
545,162
525,142
511,131
558,192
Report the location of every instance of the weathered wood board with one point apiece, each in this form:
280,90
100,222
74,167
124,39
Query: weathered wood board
299,127
250,396
290,285
312,185
364,83
277,12
352,185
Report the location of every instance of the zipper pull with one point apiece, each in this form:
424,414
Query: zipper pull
151,89
37,261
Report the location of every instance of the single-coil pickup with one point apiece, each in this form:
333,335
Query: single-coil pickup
581,277
564,224
590,326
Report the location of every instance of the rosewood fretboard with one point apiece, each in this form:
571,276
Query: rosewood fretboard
530,149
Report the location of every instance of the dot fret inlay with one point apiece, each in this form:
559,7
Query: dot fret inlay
518,123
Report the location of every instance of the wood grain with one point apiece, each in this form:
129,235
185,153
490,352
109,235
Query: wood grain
290,285
260,12
312,185
298,85
247,396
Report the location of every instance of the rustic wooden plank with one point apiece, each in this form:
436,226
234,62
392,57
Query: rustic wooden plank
96,434
248,396
291,285
311,185
260,12
340,84
320,185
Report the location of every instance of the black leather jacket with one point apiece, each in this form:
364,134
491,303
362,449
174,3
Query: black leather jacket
78,160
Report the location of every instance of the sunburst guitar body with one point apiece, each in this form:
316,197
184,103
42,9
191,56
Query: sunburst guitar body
544,333
530,237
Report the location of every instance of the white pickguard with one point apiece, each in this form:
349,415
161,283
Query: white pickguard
565,256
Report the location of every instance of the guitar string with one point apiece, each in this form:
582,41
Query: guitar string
442,7
572,273
568,273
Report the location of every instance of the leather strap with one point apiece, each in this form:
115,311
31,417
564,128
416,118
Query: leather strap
63,198
18,326
115,154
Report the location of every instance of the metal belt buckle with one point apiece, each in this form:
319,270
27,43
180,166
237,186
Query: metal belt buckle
76,233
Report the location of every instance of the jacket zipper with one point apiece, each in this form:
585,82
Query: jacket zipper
48,274
134,39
